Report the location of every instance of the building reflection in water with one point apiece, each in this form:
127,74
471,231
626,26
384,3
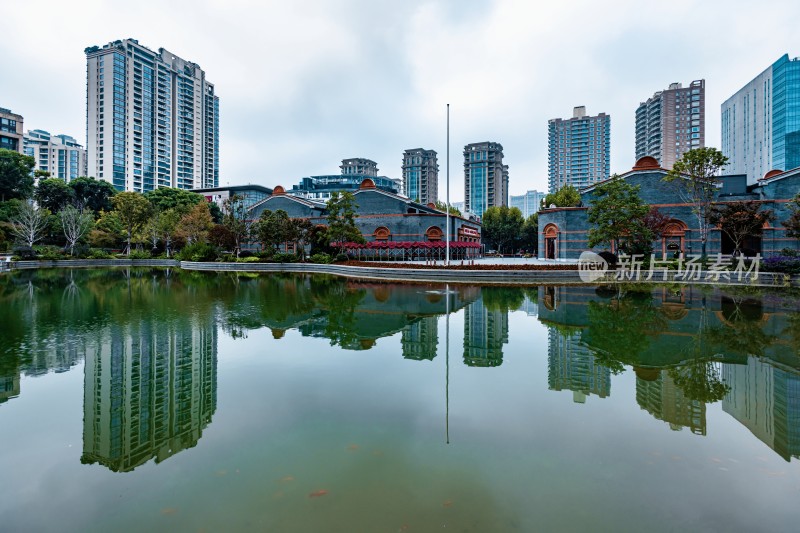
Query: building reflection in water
485,332
657,394
420,339
691,348
572,366
149,392
766,400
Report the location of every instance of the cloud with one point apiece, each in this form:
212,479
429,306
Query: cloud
304,84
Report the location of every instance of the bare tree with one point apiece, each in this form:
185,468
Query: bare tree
75,225
29,223
695,175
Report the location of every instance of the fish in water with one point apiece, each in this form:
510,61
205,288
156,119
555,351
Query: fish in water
318,493
353,447
447,503
168,511
287,478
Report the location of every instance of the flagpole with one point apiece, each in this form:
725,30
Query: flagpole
447,217
447,366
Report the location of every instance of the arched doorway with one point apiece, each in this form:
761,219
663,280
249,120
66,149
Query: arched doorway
550,241
673,239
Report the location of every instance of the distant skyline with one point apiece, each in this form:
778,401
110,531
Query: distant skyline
303,85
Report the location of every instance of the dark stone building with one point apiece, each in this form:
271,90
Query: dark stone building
382,216
563,231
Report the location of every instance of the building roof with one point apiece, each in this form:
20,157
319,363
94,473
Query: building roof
235,188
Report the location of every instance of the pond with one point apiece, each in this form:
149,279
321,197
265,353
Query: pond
160,400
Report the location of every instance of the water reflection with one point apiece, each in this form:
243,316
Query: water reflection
148,339
149,391
688,347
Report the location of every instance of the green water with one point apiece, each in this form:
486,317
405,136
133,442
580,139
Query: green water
161,400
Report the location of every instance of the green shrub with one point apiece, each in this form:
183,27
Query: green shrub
340,258
321,258
49,253
140,254
198,251
96,253
284,258
249,259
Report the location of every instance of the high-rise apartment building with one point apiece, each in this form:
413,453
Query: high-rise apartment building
60,155
421,175
761,122
155,123
528,203
359,166
485,177
671,123
10,130
578,150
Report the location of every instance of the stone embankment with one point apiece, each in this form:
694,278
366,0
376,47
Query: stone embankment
438,275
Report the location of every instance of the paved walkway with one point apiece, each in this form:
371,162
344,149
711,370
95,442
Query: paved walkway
498,261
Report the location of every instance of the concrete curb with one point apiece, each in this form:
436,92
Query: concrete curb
485,277
504,277
92,263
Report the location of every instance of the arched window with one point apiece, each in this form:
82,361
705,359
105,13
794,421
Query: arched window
434,233
382,234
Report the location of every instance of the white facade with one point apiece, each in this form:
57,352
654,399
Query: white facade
60,155
152,119
747,128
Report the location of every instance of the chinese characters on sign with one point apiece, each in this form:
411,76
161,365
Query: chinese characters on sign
634,268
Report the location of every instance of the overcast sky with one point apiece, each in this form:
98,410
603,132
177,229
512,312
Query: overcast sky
304,84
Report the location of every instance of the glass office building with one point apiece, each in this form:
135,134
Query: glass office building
528,203
761,122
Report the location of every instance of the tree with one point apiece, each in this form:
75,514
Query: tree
93,194
617,214
302,234
221,237
272,228
502,225
181,200
695,177
133,211
16,175
792,224
740,220
53,194
196,224
167,226
234,217
108,231
441,206
342,219
529,239
75,225
566,196
29,224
